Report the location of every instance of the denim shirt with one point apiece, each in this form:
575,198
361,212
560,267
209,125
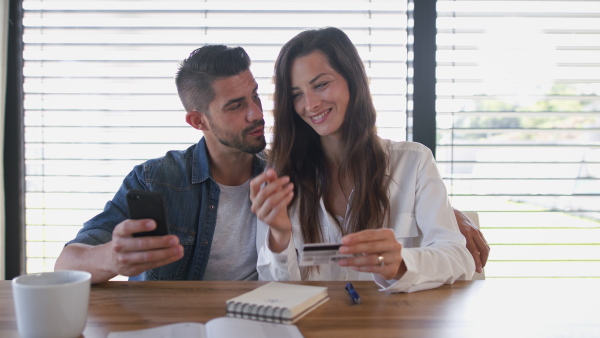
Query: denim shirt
192,198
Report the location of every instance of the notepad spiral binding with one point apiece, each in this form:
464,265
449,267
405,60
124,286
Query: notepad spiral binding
273,314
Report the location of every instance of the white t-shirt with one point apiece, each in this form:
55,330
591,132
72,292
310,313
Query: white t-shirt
433,248
233,250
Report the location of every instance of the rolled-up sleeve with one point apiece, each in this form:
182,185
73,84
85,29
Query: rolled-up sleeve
273,266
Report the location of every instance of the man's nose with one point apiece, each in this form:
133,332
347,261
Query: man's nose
255,112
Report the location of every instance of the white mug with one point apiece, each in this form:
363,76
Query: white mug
52,304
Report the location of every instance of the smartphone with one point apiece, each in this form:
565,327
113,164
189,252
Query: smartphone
144,204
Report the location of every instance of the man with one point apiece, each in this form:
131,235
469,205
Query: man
206,188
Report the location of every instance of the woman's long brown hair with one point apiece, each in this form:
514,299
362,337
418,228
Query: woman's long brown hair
296,150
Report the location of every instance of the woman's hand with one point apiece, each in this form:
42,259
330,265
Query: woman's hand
381,253
270,202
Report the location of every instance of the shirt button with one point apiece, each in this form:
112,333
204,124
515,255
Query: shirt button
205,242
212,207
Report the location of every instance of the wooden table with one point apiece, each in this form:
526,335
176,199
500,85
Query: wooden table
490,308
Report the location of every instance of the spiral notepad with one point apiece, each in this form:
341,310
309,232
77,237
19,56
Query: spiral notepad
277,302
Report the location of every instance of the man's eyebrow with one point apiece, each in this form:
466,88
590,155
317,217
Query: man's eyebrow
239,99
311,81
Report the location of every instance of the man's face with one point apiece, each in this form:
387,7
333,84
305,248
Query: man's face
235,116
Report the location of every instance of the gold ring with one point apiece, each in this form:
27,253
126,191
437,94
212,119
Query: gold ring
380,260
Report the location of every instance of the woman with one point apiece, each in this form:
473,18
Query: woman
332,179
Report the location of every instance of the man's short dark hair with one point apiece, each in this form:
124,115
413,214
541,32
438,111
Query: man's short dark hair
204,65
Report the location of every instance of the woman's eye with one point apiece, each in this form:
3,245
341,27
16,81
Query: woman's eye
321,85
295,96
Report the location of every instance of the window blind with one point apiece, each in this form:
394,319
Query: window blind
100,94
518,114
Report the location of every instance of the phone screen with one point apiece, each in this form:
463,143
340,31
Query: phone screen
145,204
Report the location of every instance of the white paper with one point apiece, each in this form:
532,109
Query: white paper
215,328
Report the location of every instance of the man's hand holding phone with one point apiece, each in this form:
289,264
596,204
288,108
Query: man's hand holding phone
143,241
131,256
138,244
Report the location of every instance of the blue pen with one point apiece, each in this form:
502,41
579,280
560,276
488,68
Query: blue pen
353,294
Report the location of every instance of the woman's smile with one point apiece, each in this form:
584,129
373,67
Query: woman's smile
319,118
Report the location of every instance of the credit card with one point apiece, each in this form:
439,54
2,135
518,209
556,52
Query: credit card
321,253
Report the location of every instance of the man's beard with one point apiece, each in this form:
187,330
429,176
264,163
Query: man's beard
251,146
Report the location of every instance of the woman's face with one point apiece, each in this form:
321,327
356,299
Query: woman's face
320,94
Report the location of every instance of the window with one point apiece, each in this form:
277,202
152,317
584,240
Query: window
518,108
518,116
100,94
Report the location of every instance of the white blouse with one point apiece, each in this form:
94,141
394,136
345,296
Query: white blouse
433,248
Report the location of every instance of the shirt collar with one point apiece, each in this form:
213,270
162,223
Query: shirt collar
201,165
